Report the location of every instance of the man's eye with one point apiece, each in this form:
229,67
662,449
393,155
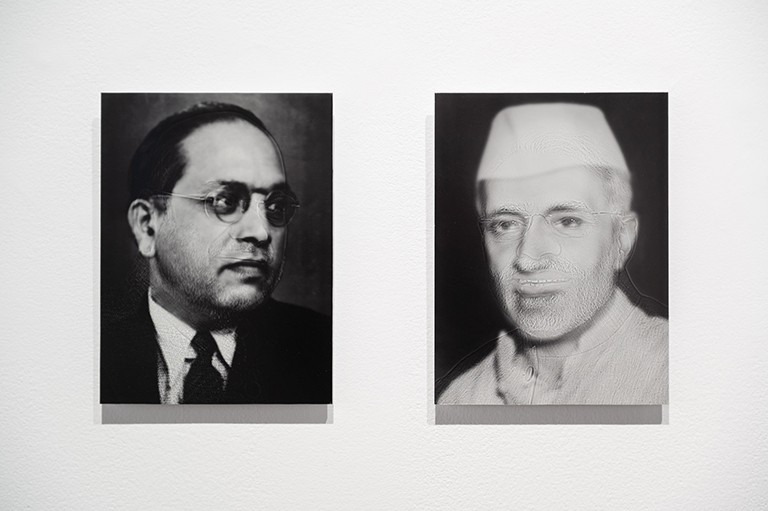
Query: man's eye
569,222
505,225
224,202
276,206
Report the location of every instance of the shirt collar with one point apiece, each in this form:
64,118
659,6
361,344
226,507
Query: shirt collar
174,337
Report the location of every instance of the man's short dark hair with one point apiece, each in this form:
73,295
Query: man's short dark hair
158,163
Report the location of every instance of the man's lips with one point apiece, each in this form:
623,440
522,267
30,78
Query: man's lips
247,266
539,285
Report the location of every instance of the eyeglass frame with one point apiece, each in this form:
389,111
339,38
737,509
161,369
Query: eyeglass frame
243,207
483,222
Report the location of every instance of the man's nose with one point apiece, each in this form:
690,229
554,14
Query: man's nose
254,226
538,240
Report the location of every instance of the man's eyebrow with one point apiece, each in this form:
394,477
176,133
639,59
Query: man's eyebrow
510,209
224,183
576,205
522,209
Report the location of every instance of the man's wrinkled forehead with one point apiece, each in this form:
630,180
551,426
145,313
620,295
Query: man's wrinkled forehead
537,139
576,188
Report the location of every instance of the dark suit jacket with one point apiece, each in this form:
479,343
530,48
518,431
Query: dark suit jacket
283,356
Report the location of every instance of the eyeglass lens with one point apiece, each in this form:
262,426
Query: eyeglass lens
230,206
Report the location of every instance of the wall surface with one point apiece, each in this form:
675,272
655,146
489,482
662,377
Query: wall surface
383,61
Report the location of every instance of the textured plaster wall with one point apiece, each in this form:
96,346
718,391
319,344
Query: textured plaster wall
383,61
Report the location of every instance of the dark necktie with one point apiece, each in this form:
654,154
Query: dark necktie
203,383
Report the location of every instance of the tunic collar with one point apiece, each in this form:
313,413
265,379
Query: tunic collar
520,365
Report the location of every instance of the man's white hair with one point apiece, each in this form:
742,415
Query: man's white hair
617,187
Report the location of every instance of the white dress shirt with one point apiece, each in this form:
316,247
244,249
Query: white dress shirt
176,354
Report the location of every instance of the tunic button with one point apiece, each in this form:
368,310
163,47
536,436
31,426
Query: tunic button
529,373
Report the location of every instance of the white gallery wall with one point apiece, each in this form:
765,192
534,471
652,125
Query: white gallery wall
383,61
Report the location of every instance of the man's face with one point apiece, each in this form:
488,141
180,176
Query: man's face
558,273
202,264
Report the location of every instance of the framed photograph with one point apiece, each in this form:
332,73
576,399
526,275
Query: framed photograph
216,248
551,273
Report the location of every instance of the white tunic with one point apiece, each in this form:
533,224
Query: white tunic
621,359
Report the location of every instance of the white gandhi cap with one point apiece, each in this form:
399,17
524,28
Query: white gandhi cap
533,139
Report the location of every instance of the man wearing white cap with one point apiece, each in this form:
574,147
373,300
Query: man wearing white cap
553,197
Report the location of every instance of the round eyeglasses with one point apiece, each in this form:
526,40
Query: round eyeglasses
510,226
229,206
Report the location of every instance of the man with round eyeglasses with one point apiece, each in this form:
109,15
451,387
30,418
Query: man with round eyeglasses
553,197
210,209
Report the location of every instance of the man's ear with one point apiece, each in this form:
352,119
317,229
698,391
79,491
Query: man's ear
627,237
142,219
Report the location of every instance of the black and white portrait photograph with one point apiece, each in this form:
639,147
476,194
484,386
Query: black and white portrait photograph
551,269
216,248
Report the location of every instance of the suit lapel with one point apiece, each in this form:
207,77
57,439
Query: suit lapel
141,360
243,382
251,379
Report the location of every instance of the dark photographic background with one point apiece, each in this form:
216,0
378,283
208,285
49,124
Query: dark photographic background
466,314
302,126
